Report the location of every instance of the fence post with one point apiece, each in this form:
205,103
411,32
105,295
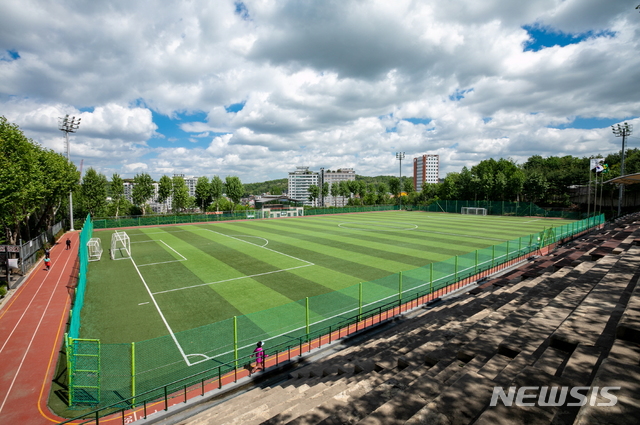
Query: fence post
455,269
507,258
69,352
493,254
133,374
475,269
235,340
360,301
307,315
430,277
400,289
519,246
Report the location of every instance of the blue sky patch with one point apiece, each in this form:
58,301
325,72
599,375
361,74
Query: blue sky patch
174,136
590,123
417,121
459,94
9,55
241,10
543,37
235,107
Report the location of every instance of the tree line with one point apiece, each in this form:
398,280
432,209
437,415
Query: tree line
36,182
102,198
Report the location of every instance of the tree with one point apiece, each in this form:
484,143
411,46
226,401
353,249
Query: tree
117,192
382,194
344,190
234,189
165,189
180,194
335,192
217,188
203,193
361,189
21,189
314,193
325,191
394,186
449,189
408,186
94,192
142,190
535,186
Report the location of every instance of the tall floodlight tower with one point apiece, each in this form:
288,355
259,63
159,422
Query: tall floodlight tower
69,125
400,156
622,131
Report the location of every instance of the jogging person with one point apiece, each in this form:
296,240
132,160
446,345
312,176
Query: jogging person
47,262
68,243
258,353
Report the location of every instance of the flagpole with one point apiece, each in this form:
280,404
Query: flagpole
601,190
595,196
589,193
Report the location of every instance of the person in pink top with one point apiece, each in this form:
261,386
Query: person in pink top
259,354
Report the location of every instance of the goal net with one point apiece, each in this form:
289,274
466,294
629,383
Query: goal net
473,211
120,246
94,246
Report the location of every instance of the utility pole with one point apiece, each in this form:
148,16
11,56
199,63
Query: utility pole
69,125
622,131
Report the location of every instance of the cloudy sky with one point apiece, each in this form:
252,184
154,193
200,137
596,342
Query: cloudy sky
255,88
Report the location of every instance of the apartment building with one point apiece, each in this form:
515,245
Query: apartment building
426,169
299,182
336,176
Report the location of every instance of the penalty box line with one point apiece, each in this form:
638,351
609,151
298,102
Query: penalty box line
164,320
162,262
234,278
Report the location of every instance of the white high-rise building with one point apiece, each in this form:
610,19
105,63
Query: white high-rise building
337,176
299,182
426,169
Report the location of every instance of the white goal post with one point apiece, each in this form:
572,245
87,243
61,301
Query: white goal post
94,246
473,211
120,246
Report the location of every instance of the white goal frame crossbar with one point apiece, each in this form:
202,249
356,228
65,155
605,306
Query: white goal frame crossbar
476,210
123,239
94,248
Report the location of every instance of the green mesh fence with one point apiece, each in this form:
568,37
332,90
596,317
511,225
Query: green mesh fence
520,209
162,365
493,208
83,256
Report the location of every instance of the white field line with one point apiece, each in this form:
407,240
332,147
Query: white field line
163,262
234,278
173,336
263,247
156,233
353,309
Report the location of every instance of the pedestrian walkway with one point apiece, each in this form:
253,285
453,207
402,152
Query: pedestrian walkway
32,323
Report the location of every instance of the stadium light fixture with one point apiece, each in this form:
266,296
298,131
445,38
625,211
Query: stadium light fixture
621,131
69,125
400,156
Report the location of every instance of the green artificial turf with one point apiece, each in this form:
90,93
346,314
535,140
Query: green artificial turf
184,277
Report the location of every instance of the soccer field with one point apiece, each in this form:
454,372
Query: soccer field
184,277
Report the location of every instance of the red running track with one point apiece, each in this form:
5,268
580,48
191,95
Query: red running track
32,323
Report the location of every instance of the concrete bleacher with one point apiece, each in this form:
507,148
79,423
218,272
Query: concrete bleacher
571,318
